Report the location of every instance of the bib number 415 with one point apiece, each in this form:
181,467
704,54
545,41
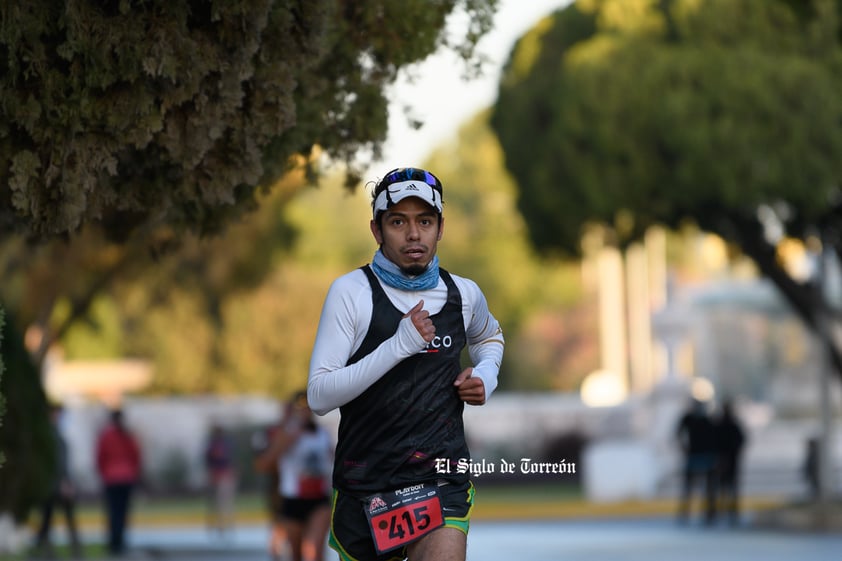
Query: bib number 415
406,523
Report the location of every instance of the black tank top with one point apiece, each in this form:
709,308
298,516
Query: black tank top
391,434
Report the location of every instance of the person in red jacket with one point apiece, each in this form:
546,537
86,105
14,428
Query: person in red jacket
118,464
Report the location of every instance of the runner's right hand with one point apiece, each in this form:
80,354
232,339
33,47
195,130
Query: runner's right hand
422,322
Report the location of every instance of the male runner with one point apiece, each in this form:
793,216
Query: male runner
387,354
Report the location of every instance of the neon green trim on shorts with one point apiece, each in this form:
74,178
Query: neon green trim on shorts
332,541
462,523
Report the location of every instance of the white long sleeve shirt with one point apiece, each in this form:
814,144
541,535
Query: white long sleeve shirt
344,323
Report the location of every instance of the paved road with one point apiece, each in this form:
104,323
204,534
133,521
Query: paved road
651,539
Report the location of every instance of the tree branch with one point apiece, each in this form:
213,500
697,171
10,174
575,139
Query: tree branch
748,233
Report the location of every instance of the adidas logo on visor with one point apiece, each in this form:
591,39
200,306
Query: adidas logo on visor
396,192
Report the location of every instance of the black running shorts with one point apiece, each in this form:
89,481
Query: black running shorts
350,535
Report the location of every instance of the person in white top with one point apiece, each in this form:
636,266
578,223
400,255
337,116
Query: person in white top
302,452
388,355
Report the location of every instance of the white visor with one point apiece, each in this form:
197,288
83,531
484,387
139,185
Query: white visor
396,192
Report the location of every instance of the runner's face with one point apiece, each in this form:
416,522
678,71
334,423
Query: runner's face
408,234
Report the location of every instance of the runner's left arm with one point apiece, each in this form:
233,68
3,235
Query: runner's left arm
485,337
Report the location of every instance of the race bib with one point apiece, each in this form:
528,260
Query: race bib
399,517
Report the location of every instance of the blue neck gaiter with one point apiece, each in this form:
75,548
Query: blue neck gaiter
394,277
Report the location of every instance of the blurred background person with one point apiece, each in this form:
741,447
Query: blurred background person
118,462
219,459
730,440
303,454
810,469
695,433
62,494
260,440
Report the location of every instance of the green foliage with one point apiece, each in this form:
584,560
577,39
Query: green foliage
172,112
234,313
129,128
550,344
259,336
25,436
721,112
160,123
731,111
526,110
99,336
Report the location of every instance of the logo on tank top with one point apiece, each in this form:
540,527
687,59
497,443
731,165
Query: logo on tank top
443,342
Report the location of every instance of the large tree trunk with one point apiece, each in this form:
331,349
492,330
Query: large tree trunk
804,297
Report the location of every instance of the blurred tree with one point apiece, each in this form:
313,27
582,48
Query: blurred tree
486,238
267,332
157,119
161,118
245,304
126,126
725,112
174,112
111,285
26,439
